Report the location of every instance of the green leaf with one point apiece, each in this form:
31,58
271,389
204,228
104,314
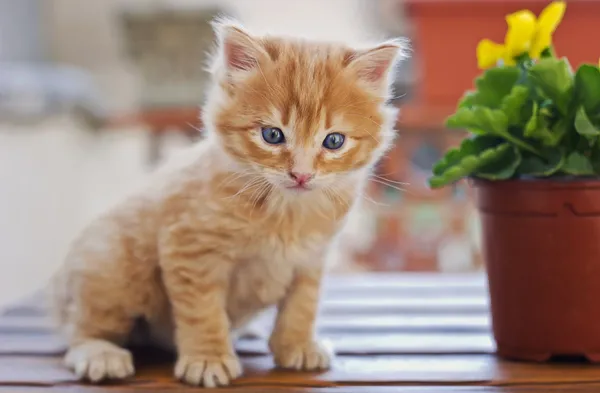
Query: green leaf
537,128
512,105
587,88
480,120
468,164
554,78
584,126
471,146
595,159
503,167
485,121
548,52
491,87
535,166
562,128
578,164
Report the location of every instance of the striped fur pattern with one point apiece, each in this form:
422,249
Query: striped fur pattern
221,234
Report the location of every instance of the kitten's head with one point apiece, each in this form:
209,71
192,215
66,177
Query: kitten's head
303,115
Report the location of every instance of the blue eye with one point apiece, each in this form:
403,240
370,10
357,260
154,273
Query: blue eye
334,141
273,135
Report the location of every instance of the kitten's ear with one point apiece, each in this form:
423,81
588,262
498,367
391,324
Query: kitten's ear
239,51
374,67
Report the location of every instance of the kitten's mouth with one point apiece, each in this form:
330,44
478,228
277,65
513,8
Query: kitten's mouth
299,187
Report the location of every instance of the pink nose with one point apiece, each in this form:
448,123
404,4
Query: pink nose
301,178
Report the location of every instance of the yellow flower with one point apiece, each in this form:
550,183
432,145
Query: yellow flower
489,53
525,34
521,28
546,25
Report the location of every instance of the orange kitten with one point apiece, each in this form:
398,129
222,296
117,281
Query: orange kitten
245,222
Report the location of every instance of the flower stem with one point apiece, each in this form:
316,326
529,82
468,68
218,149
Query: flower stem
523,145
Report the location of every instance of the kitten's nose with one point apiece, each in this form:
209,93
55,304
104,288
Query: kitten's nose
301,178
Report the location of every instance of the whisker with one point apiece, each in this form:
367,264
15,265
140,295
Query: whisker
261,191
257,189
368,198
391,181
267,82
233,177
339,197
331,201
365,117
195,127
372,136
387,184
247,185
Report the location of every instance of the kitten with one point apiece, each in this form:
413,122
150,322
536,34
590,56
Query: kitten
245,222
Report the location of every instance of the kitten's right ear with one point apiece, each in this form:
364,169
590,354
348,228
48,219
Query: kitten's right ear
240,52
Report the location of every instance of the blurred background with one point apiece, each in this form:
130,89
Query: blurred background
94,94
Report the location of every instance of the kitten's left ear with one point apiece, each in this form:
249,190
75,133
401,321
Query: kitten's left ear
374,67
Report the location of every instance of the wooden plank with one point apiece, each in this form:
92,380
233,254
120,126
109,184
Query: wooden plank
27,324
327,324
31,344
562,388
358,299
433,281
354,303
25,310
348,344
415,305
34,304
379,344
391,291
364,284
484,370
368,324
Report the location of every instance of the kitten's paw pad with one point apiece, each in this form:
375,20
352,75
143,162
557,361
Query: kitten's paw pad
99,360
208,371
312,356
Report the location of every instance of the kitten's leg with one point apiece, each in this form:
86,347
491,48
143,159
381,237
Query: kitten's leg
197,280
94,351
293,340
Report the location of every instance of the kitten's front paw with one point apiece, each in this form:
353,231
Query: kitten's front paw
208,371
316,355
98,360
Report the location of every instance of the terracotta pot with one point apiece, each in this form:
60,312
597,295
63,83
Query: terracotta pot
541,243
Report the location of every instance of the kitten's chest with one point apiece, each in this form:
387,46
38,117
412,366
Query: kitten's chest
288,242
266,266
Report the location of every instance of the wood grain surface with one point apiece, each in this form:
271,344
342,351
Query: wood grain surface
409,333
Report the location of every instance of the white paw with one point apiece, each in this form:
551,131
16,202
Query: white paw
316,355
208,371
98,360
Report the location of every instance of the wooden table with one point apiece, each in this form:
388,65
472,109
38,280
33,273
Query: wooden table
393,333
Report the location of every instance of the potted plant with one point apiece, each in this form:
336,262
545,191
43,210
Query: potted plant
533,157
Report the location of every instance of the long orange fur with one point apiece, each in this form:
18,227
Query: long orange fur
218,237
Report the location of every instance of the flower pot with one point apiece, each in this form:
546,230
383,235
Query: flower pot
541,243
